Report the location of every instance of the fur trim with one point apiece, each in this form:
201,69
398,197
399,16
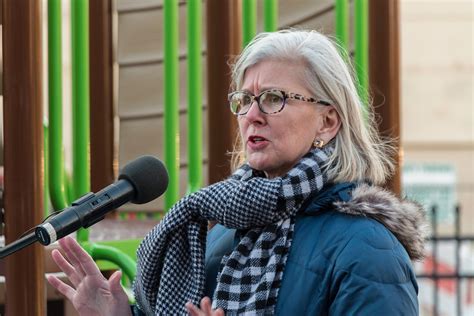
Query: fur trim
405,219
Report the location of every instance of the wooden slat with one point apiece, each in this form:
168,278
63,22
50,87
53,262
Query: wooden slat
101,94
140,32
141,89
322,22
23,125
141,35
124,5
293,12
222,42
144,136
384,72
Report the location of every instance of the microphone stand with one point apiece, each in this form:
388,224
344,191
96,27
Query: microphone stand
18,244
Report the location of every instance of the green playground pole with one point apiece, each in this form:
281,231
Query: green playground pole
171,100
270,15
194,30
80,101
249,25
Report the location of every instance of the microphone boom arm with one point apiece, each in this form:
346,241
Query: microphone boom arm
18,245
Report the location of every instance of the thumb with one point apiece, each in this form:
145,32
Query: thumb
114,282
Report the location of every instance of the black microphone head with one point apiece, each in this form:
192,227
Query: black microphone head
148,176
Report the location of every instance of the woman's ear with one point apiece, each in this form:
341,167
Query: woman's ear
330,124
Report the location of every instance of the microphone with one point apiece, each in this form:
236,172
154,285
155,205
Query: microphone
140,181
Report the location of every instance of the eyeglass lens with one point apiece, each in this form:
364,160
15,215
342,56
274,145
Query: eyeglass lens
269,102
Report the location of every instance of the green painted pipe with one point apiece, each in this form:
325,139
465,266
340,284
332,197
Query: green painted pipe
194,31
361,13
111,254
171,100
81,131
53,137
57,183
270,15
80,101
45,167
342,23
249,25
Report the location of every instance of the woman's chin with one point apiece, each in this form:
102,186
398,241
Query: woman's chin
266,168
258,163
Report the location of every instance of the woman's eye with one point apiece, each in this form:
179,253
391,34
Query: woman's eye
272,98
246,100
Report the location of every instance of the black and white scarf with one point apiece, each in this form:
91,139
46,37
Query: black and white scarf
170,267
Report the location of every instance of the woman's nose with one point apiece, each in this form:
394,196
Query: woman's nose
254,114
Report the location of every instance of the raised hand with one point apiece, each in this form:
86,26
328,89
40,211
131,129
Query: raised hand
205,310
91,293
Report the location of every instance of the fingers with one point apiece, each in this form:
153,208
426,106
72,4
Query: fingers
62,287
66,267
206,305
114,282
85,261
69,255
219,312
193,310
205,310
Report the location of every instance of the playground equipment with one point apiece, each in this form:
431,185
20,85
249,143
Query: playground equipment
81,173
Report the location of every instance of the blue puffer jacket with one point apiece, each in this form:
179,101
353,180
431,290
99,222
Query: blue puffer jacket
350,255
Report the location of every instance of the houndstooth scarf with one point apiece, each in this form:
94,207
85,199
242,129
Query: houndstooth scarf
170,268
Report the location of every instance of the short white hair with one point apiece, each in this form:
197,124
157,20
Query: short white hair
360,154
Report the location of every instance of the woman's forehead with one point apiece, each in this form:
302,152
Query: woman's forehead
274,74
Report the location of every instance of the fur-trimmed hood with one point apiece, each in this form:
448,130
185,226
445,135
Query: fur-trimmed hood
405,219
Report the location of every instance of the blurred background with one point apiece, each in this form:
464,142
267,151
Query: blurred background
89,85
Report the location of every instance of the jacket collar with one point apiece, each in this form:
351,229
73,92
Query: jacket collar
325,198
405,219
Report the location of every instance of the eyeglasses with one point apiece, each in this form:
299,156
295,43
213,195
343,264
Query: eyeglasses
269,101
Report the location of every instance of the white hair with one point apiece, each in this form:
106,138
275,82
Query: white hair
360,154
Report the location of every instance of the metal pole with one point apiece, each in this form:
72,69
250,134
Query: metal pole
342,23
249,23
457,231
46,199
171,99
57,180
80,101
434,226
23,153
361,47
194,30
270,15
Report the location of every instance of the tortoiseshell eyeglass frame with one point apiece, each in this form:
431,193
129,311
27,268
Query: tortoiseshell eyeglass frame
286,95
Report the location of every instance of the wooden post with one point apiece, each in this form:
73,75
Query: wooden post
101,94
23,125
384,72
223,42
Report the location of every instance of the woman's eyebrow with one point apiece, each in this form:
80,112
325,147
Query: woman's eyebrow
271,88
262,89
267,88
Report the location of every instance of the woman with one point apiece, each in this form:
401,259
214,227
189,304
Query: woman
303,228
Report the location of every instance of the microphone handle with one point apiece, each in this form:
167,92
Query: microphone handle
84,212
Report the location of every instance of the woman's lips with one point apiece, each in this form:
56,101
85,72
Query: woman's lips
256,142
